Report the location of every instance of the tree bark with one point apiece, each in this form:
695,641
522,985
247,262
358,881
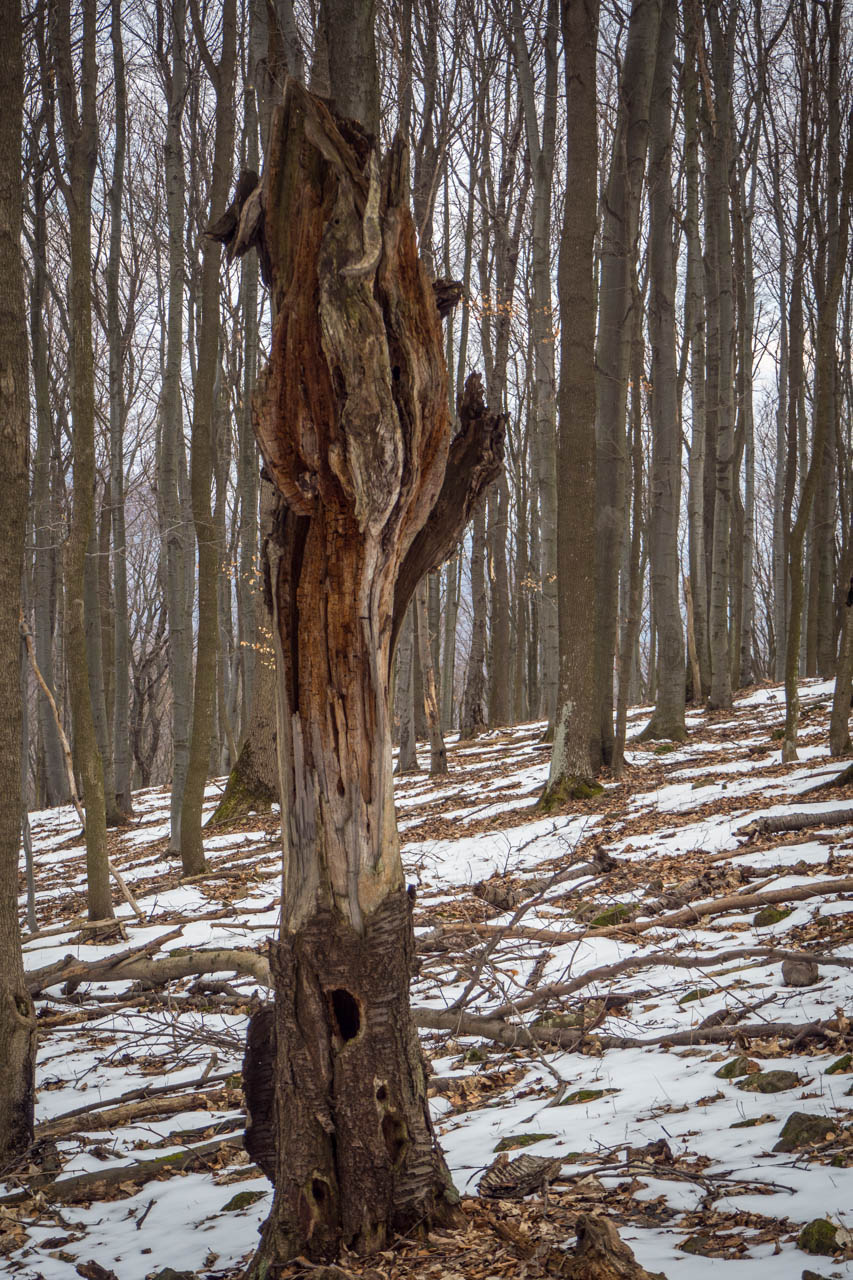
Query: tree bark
17,1017
668,717
618,247
80,132
353,422
540,145
437,749
407,757
46,527
175,535
202,446
472,720
573,758
121,708
719,275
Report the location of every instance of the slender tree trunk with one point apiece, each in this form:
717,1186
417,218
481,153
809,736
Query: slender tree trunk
629,657
80,132
437,750
175,535
203,445
540,144
719,251
668,718
451,614
45,568
407,759
618,248
574,757
92,601
121,710
17,1016
825,362
473,720
695,326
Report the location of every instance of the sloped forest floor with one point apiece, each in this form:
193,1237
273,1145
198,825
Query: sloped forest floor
587,979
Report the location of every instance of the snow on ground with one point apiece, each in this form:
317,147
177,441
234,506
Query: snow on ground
648,992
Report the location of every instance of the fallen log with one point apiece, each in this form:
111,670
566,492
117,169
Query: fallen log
86,1186
156,972
517,1035
685,916
802,821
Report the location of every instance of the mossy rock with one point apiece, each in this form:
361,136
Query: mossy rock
699,993
752,1123
665,748
243,1200
736,1067
840,1067
474,1055
802,1130
522,1140
818,1236
769,1082
585,1095
770,915
702,1245
778,734
619,914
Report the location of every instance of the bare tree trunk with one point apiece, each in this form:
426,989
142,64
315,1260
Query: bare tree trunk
668,718
633,568
407,759
203,444
80,132
574,758
695,326
721,285
451,613
437,750
618,248
540,145
121,709
825,366
17,1016
360,457
472,720
45,567
175,535
92,602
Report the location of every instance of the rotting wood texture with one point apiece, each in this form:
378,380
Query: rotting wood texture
352,419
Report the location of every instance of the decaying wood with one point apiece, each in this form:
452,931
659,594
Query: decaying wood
517,1034
600,1254
353,423
798,821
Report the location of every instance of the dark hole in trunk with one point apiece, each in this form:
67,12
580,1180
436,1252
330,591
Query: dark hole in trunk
347,1016
396,1137
381,1093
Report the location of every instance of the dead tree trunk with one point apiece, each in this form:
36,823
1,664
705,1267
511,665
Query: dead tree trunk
353,422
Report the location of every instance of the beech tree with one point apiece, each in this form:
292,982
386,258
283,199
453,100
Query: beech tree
353,422
17,1017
